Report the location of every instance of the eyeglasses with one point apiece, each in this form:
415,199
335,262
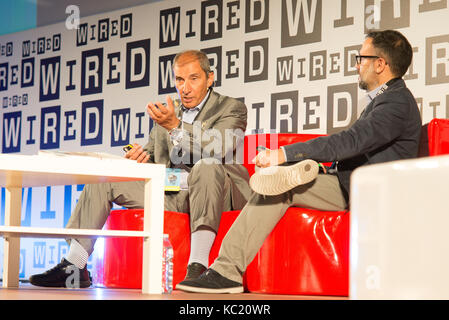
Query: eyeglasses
358,59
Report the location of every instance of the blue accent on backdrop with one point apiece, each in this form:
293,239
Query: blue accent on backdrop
17,15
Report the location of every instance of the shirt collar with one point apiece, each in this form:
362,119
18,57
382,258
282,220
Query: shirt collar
372,93
199,106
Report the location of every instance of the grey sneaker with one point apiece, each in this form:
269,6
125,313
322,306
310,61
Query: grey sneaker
210,282
194,270
276,180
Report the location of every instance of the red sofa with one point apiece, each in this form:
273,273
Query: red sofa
307,253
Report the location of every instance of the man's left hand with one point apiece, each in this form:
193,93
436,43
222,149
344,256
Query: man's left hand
267,158
163,115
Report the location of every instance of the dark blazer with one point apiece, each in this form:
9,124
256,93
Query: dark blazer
223,114
388,129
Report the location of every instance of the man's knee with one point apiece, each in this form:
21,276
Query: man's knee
206,169
93,188
261,200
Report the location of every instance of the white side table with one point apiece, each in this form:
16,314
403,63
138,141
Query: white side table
19,171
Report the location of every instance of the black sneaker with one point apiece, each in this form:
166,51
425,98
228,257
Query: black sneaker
64,275
194,270
210,282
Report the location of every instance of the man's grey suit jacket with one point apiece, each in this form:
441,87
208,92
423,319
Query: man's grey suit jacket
219,118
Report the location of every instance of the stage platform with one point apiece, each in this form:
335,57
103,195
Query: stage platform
27,291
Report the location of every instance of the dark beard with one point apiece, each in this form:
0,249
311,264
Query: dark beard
363,85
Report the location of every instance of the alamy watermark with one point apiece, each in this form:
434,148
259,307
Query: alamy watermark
213,145
73,280
73,20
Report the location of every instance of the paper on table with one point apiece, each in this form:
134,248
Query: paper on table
101,155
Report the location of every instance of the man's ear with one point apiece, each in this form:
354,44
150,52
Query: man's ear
210,79
381,64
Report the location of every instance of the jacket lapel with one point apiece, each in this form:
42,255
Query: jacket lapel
208,110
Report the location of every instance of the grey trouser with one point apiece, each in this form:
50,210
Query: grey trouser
208,196
260,216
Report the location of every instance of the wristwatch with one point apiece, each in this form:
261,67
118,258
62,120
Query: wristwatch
176,134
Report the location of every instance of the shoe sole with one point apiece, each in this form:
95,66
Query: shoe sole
276,180
83,284
208,290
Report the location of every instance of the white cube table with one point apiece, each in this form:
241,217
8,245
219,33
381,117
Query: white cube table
399,239
19,171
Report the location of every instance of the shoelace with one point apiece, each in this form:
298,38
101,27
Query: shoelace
58,266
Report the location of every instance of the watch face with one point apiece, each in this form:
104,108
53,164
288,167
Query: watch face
175,132
176,136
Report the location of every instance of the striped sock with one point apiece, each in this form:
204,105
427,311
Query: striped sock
77,254
200,245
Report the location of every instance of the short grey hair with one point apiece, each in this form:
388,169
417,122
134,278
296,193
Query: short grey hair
198,55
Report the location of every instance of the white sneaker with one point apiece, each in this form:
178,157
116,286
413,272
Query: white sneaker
275,180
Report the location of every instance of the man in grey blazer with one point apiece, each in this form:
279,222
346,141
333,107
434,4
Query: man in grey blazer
201,136
388,129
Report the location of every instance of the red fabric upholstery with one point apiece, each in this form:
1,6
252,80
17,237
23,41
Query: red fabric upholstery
438,137
227,219
122,262
307,253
